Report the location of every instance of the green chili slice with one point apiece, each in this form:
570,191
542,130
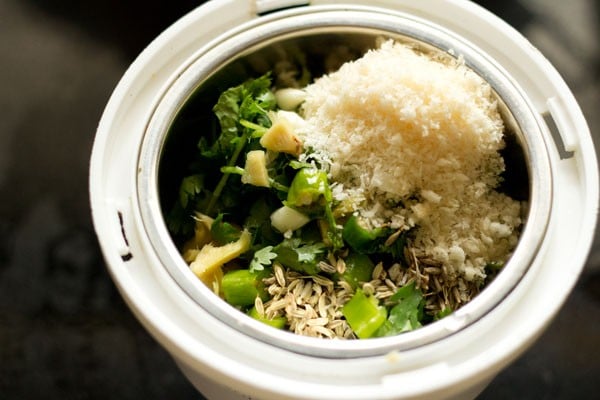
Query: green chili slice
241,287
364,314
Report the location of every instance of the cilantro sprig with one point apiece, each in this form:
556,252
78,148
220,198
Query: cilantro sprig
405,313
241,111
248,102
300,256
262,258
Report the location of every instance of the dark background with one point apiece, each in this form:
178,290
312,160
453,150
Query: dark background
64,331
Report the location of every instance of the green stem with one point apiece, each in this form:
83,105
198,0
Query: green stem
257,130
334,233
223,181
235,170
232,170
278,186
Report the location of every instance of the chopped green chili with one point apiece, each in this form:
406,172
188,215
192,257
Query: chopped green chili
359,269
241,287
277,322
364,314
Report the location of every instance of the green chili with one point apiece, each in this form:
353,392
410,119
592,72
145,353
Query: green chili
309,187
364,314
359,238
241,287
311,193
359,268
277,322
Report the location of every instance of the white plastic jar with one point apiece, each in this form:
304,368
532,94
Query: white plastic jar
229,356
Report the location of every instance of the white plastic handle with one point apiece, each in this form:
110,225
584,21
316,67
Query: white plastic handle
567,128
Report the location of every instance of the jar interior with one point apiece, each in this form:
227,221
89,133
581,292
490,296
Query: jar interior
320,52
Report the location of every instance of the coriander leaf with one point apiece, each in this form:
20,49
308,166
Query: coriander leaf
303,258
249,101
281,173
442,313
259,214
223,232
227,112
309,252
262,258
407,312
206,149
257,100
258,222
190,187
180,221
191,192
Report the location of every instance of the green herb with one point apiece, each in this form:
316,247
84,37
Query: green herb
223,232
242,113
300,256
191,186
191,190
248,102
258,222
442,313
281,174
179,221
407,312
257,130
263,257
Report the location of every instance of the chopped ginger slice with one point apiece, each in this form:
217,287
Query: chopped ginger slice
210,259
201,237
280,137
255,170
